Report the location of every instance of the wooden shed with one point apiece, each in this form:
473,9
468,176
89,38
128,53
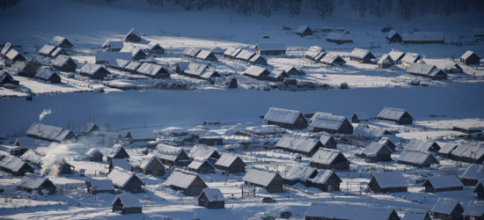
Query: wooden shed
333,124
393,37
201,165
14,56
48,74
401,116
211,199
46,50
303,30
94,71
417,158
376,152
152,166
120,163
258,59
272,182
332,60
14,165
326,181
447,208
443,183
230,164
270,48
113,45
410,58
132,67
388,143
126,180
127,204
300,145
64,63
328,141
171,155
329,159
204,152
99,185
94,154
89,127
385,61
388,182
30,184
468,152
474,210
117,152
50,133
361,55
470,58
132,36
285,118
188,182
155,48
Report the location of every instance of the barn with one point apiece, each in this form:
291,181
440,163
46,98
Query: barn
401,116
325,180
329,159
396,55
270,48
442,183
30,183
94,71
258,59
50,133
201,165
470,58
170,155
230,164
132,36
64,63
344,212
285,118
447,208
423,145
188,182
300,145
127,204
426,70
332,60
339,38
153,166
385,61
14,165
359,116
361,55
328,141
410,58
126,180
155,48
298,174
393,37
424,38
153,70
206,55
376,152
62,42
48,74
14,56
257,72
303,30
417,158
117,152
272,182
5,78
333,124
211,199
388,182
99,185
474,210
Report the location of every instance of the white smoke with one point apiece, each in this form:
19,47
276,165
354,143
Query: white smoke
59,151
44,113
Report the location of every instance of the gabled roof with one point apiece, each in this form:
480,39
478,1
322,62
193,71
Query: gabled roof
362,115
229,51
115,150
256,57
121,177
11,163
26,143
101,184
213,195
33,156
326,120
133,65
226,160
181,178
115,62
298,143
93,151
259,177
4,75
313,51
32,182
149,69
373,149
474,171
198,162
385,59
58,40
131,33
301,29
255,71
62,60
153,45
445,205
121,163
391,33
202,151
217,50
325,156
350,212
48,131
331,58
204,54
420,145
421,68
416,157
468,54
45,72
144,165
469,150
325,137
301,173
245,54
361,53
114,44
396,55
439,182
91,68
323,177
447,148
12,54
235,52
87,127
167,152
195,69
128,201
270,46
192,51
8,46
276,73
282,115
47,49
390,179
474,208
391,113
410,57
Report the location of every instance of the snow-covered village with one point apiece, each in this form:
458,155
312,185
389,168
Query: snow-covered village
242,109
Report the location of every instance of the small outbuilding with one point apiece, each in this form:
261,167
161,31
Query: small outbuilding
393,37
473,174
48,74
326,181
303,30
479,189
211,199
153,166
188,182
117,152
422,145
132,36
50,133
361,55
230,164
14,56
401,116
470,58
298,174
155,48
258,59
333,124
388,182
126,180
410,58
94,71
396,55
442,183
62,42
206,55
329,159
359,116
94,154
376,152
22,145
272,182
426,70
447,208
99,185
64,63
153,70
127,204
201,165
328,141
385,61
332,60
285,118
6,78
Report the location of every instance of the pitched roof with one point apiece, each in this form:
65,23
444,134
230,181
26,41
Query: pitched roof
373,149
421,68
420,145
47,49
360,53
144,165
259,177
474,171
33,156
325,137
325,156
198,162
301,29
362,115
255,71
447,148
282,115
213,195
167,152
149,69
32,182
153,45
26,143
133,65
385,58
474,208
92,151
313,51
120,177
410,57
115,62
101,184
202,151
270,46
91,68
62,60
330,58
128,201
445,205
301,173
58,40
439,182
469,150
323,176
326,120
226,160
12,54
245,54
45,72
391,113
7,47
195,69
390,179
181,178
204,54
416,157
229,51
87,127
192,51
396,55
122,163
48,131
11,163
391,33
298,143
467,54
331,211
256,57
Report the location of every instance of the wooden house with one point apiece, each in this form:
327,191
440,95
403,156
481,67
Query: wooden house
94,154
14,165
6,48
385,61
127,204
359,116
113,45
300,145
426,70
25,68
30,183
422,145
170,155
206,55
327,122
46,50
467,152
393,37
256,72
270,48
443,183
132,36
117,152
447,208
14,56
94,71
474,210
125,180
328,141
332,60
409,58
285,118
424,38
313,52
201,165
396,55
277,75
446,150
33,157
400,116
61,42
230,164
388,143
57,52
339,37
200,71
98,185
121,163
470,58
205,152
326,181
192,52
344,212
291,70
137,54
89,127
298,174
454,68
211,199
329,159
153,70
272,182
48,74
5,78
64,63
152,166
155,48
388,182
132,67
387,29
258,59
22,145
50,133
376,152
103,57
116,63
473,174
234,53
417,158
361,55
245,55
479,189
188,182
227,52
303,30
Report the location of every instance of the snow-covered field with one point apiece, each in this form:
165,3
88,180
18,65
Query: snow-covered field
457,101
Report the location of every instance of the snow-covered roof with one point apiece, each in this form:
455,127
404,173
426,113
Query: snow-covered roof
414,216
87,127
447,148
12,54
349,212
390,179
115,62
410,57
198,162
114,150
167,152
120,177
421,68
255,71
322,176
360,53
11,163
391,33
32,182
45,72
214,195
270,46
298,143
297,173
128,201
396,55
8,46
282,115
467,54
226,160
149,69
391,113
301,29
115,44
325,156
313,51
202,151
33,156
57,40
144,165
385,59
195,69
92,151
424,36
420,145
245,54
326,120
133,65
416,157
325,137
101,184
474,171
259,177
229,51
474,208
122,163
181,178
439,182
374,148
48,131
47,49
61,60
445,205
192,51
469,150
217,50
362,115
276,73
204,54
91,68
339,36
256,57
104,56
330,58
